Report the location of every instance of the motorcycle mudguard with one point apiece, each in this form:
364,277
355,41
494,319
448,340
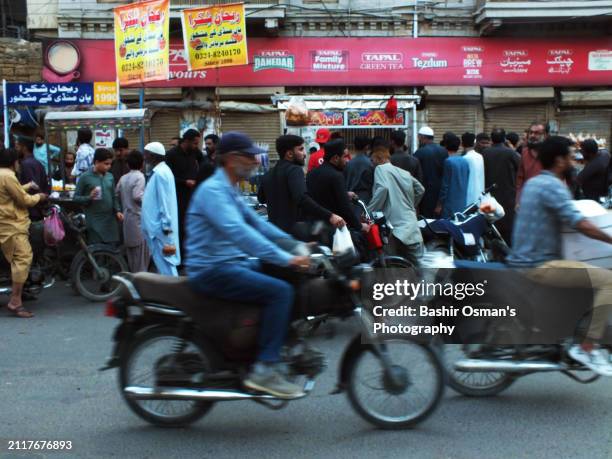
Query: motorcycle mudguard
93,248
350,354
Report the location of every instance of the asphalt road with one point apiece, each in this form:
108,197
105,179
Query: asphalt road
50,389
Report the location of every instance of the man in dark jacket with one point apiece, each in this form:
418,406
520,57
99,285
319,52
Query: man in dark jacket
401,158
431,156
208,164
120,167
359,171
501,167
184,161
31,171
327,187
283,189
593,179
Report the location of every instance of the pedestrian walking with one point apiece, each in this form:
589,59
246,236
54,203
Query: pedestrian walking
95,191
130,191
120,166
501,167
160,216
401,158
476,181
359,171
283,189
184,162
31,171
530,166
455,179
45,152
431,157
14,228
397,194
593,178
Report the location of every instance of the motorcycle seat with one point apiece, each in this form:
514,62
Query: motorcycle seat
172,291
467,264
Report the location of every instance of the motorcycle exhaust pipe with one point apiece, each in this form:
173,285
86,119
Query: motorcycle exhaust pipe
212,395
481,366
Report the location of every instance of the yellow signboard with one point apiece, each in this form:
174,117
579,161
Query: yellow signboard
215,36
105,93
141,41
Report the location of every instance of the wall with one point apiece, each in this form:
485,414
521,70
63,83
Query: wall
20,60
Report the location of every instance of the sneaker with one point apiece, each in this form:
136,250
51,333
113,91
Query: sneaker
265,378
595,360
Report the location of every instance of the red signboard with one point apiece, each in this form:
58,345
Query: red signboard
381,62
374,118
326,118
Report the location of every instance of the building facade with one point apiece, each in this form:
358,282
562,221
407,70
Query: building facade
277,29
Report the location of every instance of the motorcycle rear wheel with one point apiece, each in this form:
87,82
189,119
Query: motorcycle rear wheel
406,357
164,413
473,384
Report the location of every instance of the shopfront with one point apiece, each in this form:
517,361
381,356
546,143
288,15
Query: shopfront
462,84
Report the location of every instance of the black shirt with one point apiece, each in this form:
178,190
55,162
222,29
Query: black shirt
409,163
359,175
326,186
501,166
283,189
594,177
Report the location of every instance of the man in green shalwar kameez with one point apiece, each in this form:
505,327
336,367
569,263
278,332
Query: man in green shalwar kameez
95,191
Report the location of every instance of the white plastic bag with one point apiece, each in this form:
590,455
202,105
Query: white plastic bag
297,113
490,208
342,241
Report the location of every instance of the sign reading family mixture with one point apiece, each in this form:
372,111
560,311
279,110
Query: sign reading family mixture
142,41
33,94
215,36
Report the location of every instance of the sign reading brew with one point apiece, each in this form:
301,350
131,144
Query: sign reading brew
142,41
215,36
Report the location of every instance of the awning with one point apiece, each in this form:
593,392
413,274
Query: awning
494,97
452,93
109,119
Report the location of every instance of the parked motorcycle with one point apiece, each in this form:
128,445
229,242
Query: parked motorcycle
178,354
377,237
469,235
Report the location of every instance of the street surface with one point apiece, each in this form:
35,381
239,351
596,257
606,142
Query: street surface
50,389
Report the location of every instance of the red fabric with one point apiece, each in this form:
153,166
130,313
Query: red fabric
391,108
316,159
528,168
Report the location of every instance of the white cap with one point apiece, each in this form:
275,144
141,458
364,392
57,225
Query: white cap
313,145
156,148
426,130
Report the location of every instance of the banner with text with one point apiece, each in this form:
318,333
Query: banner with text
58,94
215,36
142,41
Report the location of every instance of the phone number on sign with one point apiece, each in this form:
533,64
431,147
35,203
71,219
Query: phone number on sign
219,53
49,445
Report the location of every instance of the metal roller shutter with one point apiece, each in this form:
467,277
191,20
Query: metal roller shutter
514,118
261,127
454,117
165,124
589,121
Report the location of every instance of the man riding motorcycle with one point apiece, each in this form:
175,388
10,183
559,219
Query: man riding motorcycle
222,233
545,205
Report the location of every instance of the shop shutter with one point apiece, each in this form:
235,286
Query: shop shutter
261,127
514,118
454,117
588,121
133,138
165,124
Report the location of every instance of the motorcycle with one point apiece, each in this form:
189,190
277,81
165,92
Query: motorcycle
377,237
470,235
89,267
179,354
488,368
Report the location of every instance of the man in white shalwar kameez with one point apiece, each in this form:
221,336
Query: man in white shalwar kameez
160,213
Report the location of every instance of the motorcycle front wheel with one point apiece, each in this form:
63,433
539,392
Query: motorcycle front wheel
403,395
98,285
140,367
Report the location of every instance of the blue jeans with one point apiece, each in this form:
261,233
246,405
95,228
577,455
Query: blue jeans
245,284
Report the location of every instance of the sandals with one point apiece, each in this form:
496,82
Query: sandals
20,311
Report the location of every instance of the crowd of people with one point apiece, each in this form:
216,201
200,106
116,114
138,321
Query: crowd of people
180,207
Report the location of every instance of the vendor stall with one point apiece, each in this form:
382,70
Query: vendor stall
101,122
